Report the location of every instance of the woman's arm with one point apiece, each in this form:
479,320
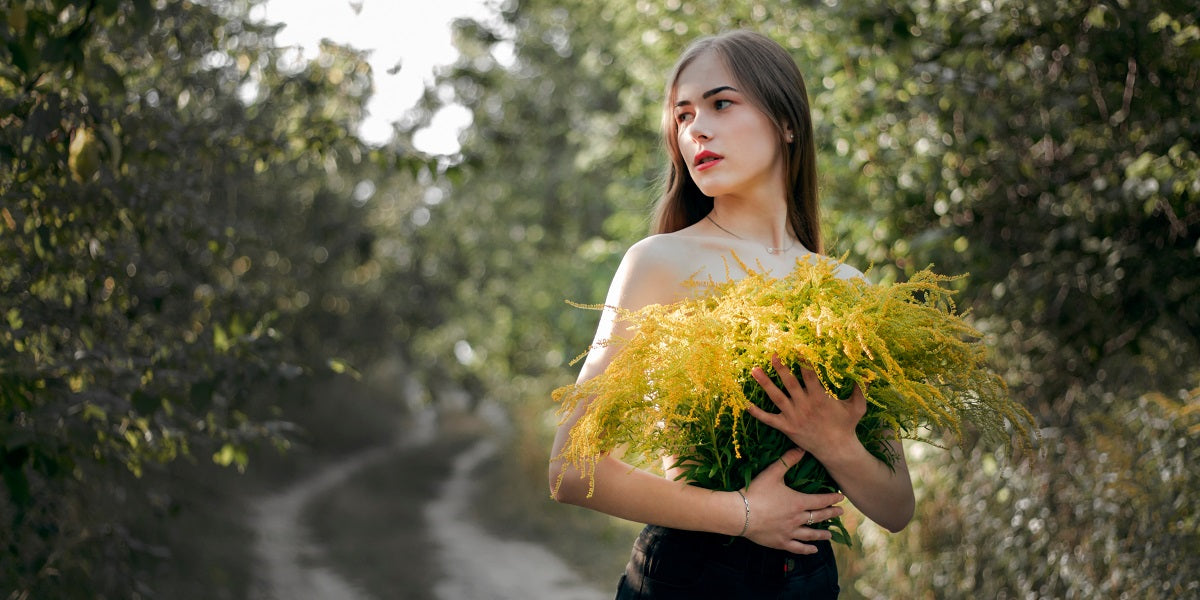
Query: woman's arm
652,273
778,516
824,425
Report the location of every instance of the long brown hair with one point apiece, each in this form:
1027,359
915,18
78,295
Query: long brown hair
769,77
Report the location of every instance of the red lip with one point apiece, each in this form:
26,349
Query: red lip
705,155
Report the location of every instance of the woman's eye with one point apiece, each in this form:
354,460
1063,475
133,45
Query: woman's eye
720,104
681,117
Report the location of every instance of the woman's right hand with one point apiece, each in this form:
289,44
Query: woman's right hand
781,517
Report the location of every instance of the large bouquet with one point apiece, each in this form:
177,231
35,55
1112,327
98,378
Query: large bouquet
681,383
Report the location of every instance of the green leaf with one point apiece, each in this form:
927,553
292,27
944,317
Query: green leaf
340,366
225,456
221,341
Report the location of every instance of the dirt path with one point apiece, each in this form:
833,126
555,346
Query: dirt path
478,565
291,564
488,567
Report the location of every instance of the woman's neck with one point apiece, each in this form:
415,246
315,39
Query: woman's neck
764,222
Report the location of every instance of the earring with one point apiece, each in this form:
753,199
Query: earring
789,138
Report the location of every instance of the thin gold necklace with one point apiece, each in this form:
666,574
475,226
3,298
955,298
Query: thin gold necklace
770,249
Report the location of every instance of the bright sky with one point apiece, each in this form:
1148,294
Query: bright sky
413,33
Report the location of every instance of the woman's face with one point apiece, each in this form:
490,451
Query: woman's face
730,147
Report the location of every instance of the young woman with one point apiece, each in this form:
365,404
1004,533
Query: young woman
741,180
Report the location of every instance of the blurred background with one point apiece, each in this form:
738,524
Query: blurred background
263,338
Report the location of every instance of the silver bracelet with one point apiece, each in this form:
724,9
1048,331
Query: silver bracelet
745,525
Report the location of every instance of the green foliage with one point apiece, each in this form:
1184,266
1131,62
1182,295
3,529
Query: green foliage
1045,148
533,201
181,234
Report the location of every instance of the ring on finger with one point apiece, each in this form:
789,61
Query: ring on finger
810,516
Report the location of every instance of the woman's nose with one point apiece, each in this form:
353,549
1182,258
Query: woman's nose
699,129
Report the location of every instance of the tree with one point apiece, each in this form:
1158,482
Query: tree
1045,148
182,235
541,169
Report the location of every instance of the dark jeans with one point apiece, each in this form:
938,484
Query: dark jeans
671,563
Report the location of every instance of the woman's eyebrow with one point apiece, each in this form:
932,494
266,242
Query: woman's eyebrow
717,90
708,94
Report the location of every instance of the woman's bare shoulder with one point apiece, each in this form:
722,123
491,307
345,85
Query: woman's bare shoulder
654,271
665,251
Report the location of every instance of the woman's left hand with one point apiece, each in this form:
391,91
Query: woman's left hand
811,417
